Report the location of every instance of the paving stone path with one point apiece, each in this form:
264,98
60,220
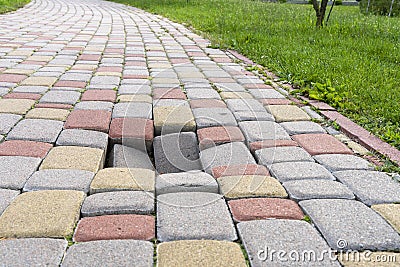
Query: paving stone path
126,141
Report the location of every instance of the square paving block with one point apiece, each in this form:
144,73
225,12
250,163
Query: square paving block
48,113
268,156
60,97
99,95
86,138
133,110
286,171
15,170
244,105
202,94
208,117
134,132
266,94
207,103
288,113
341,162
316,144
16,106
213,136
36,130
302,127
173,120
128,157
97,120
7,121
248,115
72,157
262,130
42,214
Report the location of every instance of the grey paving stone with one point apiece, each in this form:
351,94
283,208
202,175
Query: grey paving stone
253,116
262,237
119,202
302,127
7,121
230,87
202,94
6,197
15,171
170,103
235,153
286,171
78,137
133,110
265,93
31,89
262,130
341,162
105,80
110,253
191,181
244,105
176,152
36,130
3,91
313,114
57,179
128,157
268,156
371,187
94,105
193,215
317,189
208,117
350,225
32,251
60,97
135,89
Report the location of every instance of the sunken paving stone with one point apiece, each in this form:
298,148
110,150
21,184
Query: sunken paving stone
370,259
284,113
317,189
168,119
212,136
317,144
110,227
15,178
36,130
200,253
249,115
262,130
72,157
302,127
85,138
254,146
123,179
48,113
341,162
110,253
97,120
262,237
191,181
24,148
6,197
208,117
59,180
228,154
251,209
193,215
134,132
42,214
128,157
391,213
350,225
241,169
7,121
250,186
132,110
371,187
32,251
118,202
268,156
16,106
287,171
99,95
176,152
60,97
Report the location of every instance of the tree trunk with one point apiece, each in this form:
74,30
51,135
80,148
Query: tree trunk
320,11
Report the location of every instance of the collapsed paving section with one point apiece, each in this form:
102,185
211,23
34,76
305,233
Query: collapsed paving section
123,136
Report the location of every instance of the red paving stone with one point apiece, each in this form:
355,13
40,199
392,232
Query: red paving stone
22,96
72,84
87,57
109,69
211,136
321,106
264,208
107,227
222,59
241,57
275,101
99,95
207,103
132,128
317,144
179,60
24,148
98,120
271,143
12,78
243,169
168,94
50,105
257,86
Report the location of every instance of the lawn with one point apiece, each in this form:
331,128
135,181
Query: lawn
11,5
359,55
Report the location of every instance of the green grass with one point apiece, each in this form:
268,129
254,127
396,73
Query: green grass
11,5
359,54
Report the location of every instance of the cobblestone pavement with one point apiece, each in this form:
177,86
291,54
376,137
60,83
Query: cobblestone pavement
127,141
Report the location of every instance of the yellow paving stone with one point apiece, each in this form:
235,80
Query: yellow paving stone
391,212
48,113
74,157
287,113
251,186
173,120
39,81
193,253
20,53
52,213
39,58
233,95
19,71
370,259
16,106
84,67
117,179
135,98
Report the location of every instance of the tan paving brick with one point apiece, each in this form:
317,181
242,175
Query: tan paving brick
391,213
16,106
48,113
39,81
287,113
